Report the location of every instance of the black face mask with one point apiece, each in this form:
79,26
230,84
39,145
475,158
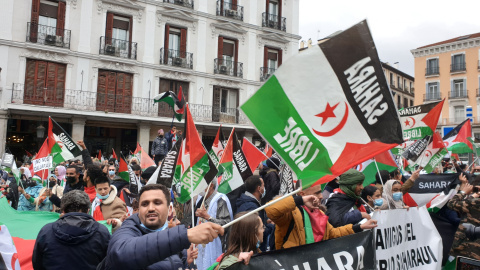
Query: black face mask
71,179
52,183
134,163
161,136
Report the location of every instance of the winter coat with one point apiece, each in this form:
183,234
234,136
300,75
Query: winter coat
286,210
160,146
111,207
339,210
74,241
77,186
12,192
469,211
169,137
134,247
272,185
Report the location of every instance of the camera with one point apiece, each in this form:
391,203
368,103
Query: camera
472,232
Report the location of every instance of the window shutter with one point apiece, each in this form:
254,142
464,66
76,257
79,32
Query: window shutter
34,20
464,86
280,56
235,62
60,83
280,14
167,40
130,32
109,28
30,79
216,104
183,43
234,5
266,8
60,18
220,50
452,86
110,91
453,64
265,57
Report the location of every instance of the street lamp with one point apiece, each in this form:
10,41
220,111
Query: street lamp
40,131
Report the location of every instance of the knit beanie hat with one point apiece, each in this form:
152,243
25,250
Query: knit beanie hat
349,181
273,163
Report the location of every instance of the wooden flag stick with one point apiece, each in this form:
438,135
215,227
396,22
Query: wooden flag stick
380,175
261,208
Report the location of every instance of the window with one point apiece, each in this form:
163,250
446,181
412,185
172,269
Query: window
432,66
411,87
225,103
175,44
404,83
459,113
405,102
458,88
174,39
47,18
114,91
227,56
44,83
121,28
411,102
432,91
399,82
273,7
392,83
399,105
458,62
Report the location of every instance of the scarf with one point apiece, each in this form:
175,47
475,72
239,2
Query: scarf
357,204
388,195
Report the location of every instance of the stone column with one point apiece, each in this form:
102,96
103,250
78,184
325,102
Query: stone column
3,131
144,135
78,128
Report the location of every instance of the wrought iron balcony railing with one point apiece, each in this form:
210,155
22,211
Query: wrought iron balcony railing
228,67
47,35
229,10
90,101
274,21
458,94
458,67
431,96
432,71
183,3
118,48
176,58
265,73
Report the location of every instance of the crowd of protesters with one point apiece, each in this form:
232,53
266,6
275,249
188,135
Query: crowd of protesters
153,231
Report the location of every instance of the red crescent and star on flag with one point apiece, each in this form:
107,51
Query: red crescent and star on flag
329,113
407,123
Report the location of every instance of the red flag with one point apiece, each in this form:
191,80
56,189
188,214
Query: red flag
145,160
43,152
29,154
386,158
193,144
180,98
437,141
253,155
268,151
137,149
99,156
114,155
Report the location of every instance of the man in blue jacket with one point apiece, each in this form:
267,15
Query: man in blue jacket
145,242
74,241
251,200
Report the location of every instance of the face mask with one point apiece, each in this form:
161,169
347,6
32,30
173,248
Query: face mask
476,173
111,172
397,196
161,136
165,224
52,183
102,197
378,202
264,192
71,179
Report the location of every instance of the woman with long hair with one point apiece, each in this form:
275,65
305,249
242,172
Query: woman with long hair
244,240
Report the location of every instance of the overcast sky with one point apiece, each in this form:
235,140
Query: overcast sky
396,26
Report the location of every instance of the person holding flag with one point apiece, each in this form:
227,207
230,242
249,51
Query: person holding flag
171,137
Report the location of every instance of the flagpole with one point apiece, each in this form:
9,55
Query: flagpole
261,208
191,199
380,175
205,196
472,164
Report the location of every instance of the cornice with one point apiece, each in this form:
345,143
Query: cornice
447,47
125,7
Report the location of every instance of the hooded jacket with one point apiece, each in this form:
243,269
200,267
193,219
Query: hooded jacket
341,210
134,247
74,241
159,146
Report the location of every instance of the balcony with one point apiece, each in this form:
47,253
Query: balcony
229,10
393,85
274,21
183,3
265,73
89,101
47,35
228,67
458,94
430,71
176,58
431,97
458,67
118,48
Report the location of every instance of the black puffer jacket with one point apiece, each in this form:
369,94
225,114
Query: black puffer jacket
74,241
339,210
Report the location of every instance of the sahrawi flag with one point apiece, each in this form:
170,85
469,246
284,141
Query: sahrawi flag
253,155
385,161
176,102
165,173
217,148
233,166
426,153
194,169
332,107
62,147
457,141
420,121
432,190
